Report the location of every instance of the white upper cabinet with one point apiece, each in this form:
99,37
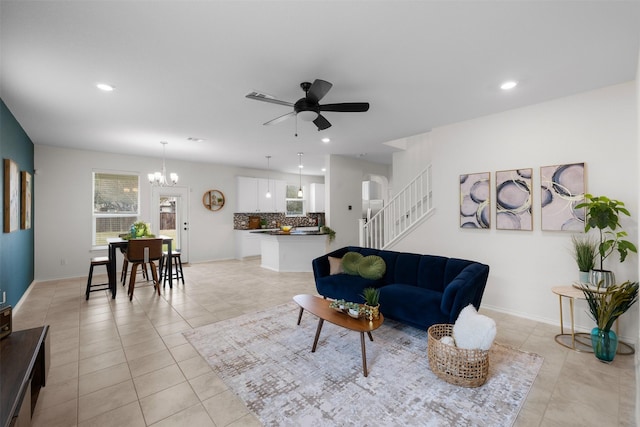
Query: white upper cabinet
316,198
252,195
266,204
247,191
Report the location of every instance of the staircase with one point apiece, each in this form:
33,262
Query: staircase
408,208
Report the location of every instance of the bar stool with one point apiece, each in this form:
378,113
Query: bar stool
100,260
177,266
142,252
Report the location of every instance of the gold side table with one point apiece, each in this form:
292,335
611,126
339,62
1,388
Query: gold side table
579,341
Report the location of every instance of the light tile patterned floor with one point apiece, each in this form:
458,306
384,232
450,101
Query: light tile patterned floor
121,363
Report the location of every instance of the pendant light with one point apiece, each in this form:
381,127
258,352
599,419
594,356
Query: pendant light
159,179
300,174
268,195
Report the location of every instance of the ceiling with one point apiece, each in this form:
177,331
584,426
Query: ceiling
182,69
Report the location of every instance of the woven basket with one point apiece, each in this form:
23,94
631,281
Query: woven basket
466,368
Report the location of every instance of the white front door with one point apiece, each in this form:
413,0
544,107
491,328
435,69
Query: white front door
170,216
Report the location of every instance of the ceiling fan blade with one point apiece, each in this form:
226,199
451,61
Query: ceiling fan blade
321,122
258,96
280,119
318,90
346,107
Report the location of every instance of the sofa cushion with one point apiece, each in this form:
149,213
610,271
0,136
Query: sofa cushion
431,272
371,267
406,270
344,286
412,305
350,262
335,265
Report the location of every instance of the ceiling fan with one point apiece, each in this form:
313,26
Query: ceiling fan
308,108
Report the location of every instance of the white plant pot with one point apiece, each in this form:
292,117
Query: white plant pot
584,277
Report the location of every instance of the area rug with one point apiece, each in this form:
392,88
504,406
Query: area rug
266,359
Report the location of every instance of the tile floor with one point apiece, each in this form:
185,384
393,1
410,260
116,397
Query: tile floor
121,363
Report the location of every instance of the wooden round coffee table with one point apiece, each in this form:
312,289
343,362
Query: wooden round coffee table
320,308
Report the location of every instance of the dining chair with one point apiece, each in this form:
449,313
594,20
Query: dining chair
141,252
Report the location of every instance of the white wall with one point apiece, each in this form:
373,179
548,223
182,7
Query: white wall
597,127
343,180
63,205
637,338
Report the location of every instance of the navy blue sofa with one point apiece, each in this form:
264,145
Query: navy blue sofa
419,290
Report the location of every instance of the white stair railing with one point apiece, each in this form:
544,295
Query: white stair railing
406,209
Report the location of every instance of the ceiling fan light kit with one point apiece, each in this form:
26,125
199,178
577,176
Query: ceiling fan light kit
308,109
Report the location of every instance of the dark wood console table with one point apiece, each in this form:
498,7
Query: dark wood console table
24,364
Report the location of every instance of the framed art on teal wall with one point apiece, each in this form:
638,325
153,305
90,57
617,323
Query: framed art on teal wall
11,201
25,200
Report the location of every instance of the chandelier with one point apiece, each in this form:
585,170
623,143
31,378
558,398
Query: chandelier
159,179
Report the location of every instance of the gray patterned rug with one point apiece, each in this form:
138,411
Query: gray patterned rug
266,359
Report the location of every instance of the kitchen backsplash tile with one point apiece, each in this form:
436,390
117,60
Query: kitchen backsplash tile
274,220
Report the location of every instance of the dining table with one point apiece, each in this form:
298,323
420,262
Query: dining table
120,243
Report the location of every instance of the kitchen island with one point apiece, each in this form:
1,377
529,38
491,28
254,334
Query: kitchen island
291,251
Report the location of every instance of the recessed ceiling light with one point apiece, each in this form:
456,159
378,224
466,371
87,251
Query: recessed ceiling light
325,140
323,169
508,85
105,87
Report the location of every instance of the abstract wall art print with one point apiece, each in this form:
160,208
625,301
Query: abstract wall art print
562,188
11,208
513,199
475,208
25,200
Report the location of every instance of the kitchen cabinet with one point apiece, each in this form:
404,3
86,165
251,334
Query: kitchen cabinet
246,194
248,242
251,195
316,198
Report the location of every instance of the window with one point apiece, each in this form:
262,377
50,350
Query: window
115,205
295,204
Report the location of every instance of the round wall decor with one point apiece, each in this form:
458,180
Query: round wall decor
213,200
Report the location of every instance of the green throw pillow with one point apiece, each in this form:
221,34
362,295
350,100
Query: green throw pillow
350,262
372,267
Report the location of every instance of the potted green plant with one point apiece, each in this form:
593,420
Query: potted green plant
585,249
372,301
603,214
139,229
327,230
605,306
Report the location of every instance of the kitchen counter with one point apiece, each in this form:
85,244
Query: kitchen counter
290,233
292,251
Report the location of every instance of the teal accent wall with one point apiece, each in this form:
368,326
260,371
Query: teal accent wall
16,248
